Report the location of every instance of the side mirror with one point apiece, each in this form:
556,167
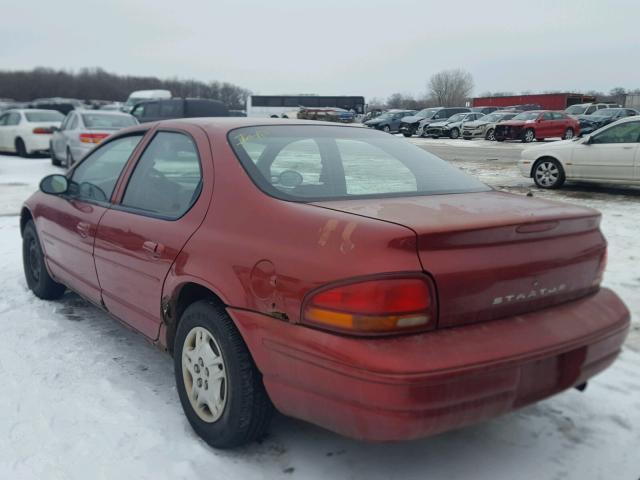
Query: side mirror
588,140
55,184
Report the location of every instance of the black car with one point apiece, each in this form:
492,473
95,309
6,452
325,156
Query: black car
388,121
410,124
155,110
602,117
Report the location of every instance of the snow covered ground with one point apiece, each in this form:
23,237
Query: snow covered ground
82,397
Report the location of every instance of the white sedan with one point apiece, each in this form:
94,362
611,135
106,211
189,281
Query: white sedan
27,131
610,154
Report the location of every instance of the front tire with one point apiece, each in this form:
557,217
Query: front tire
548,173
406,134
490,135
220,388
69,160
35,271
455,133
386,129
529,135
54,160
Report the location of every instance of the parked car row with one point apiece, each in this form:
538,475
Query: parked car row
611,154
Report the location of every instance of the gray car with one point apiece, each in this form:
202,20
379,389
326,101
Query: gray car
81,130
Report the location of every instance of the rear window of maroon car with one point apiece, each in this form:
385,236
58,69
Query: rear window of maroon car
305,162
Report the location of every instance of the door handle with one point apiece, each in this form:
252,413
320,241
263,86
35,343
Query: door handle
153,248
83,229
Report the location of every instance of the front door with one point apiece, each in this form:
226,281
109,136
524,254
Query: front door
68,223
164,202
610,154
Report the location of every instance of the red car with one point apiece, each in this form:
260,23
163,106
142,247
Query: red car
340,274
537,125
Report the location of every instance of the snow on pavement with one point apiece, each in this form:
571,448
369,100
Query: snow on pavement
84,397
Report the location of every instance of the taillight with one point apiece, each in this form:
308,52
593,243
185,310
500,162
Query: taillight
93,137
41,130
369,307
601,268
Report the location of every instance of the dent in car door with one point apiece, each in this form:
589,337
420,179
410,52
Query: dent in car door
162,205
67,224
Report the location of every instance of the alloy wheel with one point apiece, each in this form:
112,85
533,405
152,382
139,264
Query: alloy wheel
529,136
204,374
547,174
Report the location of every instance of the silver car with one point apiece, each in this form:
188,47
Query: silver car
81,130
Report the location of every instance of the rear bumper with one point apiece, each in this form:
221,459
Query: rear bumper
37,142
412,386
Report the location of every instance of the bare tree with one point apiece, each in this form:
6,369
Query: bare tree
451,87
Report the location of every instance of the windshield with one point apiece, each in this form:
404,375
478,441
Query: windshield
427,112
134,100
576,109
526,116
105,120
457,117
304,163
48,116
492,117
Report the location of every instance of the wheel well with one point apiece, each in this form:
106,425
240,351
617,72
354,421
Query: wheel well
25,216
188,294
545,157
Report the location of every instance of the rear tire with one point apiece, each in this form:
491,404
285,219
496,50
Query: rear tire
548,173
490,135
406,134
568,134
35,271
210,352
21,149
386,129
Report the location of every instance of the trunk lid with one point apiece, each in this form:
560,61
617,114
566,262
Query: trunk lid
495,254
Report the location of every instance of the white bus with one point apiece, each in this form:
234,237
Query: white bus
285,106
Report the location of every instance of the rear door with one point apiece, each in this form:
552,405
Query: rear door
545,126
162,203
3,131
610,155
67,224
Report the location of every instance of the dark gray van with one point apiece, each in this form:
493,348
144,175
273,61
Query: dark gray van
154,110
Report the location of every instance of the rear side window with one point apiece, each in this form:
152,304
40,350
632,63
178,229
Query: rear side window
96,176
304,163
49,116
107,120
167,179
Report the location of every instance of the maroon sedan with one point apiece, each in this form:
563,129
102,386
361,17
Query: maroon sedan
537,125
336,273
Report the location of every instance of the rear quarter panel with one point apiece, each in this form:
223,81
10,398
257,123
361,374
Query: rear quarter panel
263,254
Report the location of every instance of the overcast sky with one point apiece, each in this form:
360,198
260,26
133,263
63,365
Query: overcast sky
356,47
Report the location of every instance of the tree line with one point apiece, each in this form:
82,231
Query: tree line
97,84
454,87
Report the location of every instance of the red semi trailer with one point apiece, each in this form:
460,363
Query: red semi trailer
547,101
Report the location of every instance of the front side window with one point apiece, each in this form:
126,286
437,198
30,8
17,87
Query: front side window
95,177
624,133
302,163
167,179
